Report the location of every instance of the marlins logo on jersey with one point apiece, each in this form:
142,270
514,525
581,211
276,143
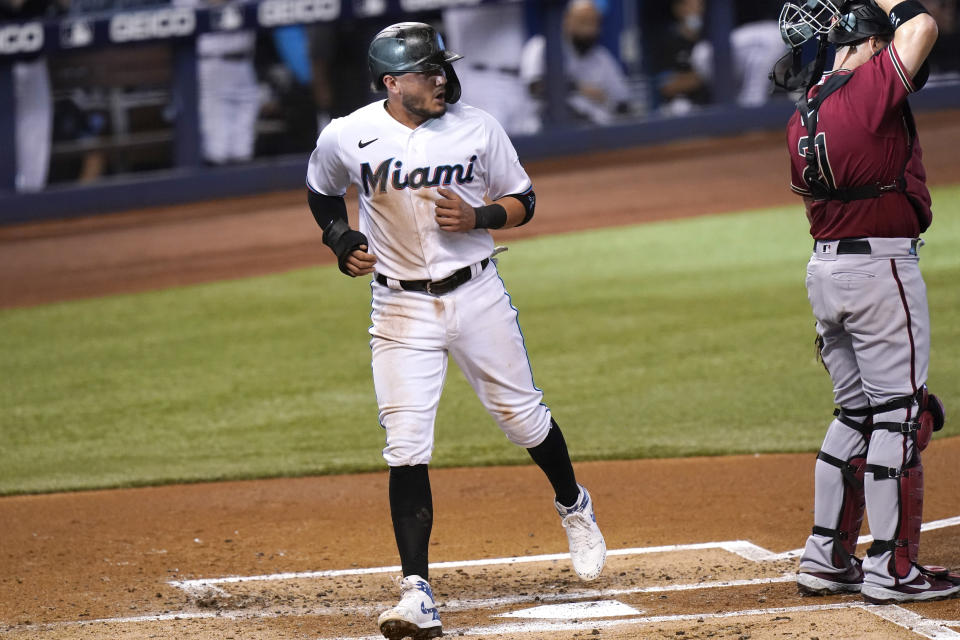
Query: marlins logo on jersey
442,175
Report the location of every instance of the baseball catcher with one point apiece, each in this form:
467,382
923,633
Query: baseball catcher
856,161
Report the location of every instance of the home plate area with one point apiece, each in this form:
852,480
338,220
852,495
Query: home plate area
713,590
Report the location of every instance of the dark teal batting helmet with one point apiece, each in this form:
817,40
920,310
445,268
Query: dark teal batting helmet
411,47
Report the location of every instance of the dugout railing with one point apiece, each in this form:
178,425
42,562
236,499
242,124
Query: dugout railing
188,179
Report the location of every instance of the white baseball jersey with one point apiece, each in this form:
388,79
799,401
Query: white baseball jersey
397,171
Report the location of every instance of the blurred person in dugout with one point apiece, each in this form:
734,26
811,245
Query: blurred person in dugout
338,67
755,46
682,57
598,91
679,87
491,38
945,58
227,83
33,101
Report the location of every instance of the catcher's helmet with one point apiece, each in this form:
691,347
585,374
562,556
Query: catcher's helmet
843,23
408,47
859,21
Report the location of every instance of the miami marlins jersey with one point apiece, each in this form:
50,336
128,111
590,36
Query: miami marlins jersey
862,139
397,171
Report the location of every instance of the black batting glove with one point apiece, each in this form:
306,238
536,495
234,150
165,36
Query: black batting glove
343,241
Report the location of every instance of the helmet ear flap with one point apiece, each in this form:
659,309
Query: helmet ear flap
452,92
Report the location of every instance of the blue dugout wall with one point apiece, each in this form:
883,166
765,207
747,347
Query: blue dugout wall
190,180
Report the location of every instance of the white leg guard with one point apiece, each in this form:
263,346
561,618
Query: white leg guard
894,490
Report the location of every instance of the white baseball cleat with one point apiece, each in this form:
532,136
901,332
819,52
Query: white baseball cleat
588,551
415,616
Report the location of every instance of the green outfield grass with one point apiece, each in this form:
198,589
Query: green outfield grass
679,338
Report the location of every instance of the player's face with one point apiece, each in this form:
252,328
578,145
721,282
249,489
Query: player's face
422,94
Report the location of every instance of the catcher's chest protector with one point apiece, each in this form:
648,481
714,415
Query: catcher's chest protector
821,182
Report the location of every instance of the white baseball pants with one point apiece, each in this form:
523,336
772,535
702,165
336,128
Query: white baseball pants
412,335
34,123
229,106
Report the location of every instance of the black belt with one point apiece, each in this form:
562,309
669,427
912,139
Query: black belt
853,246
509,71
847,246
232,57
437,287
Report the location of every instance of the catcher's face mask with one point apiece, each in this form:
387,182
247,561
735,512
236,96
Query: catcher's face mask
801,22
806,20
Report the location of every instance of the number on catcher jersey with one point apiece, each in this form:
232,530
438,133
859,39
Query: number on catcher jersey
823,161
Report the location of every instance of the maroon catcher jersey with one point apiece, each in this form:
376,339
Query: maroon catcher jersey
862,138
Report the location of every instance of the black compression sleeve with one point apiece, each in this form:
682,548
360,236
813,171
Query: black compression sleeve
529,201
326,209
905,11
551,455
411,509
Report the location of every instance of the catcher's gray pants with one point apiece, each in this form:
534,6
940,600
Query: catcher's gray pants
871,311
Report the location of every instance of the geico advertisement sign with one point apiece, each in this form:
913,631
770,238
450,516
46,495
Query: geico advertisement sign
271,13
21,38
146,25
426,5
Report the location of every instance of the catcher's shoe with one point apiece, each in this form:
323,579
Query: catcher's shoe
818,583
588,551
933,583
415,616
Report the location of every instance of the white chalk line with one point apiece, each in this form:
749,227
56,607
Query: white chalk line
243,615
901,617
588,594
930,526
448,606
928,628
742,548
934,629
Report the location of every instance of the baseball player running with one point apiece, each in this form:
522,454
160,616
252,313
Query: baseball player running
423,164
856,161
